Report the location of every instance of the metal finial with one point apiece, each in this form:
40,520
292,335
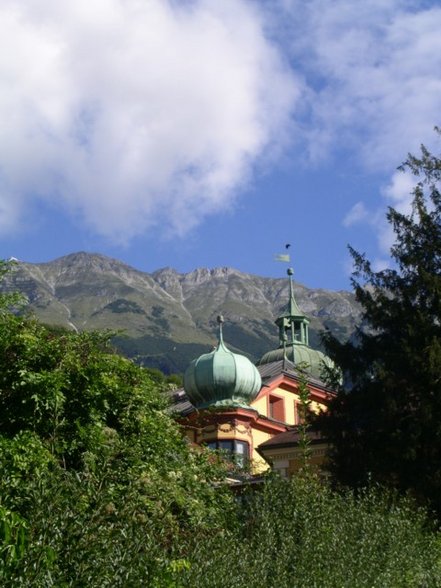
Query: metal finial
290,273
220,322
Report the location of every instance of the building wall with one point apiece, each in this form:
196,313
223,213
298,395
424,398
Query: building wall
287,461
233,427
290,399
238,431
260,465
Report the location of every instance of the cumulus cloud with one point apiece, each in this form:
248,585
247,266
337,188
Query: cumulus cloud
398,194
399,191
131,114
379,264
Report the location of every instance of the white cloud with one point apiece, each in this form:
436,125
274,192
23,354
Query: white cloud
398,195
136,113
379,264
130,114
374,67
399,191
357,214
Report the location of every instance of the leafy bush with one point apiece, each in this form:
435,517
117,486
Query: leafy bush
302,534
98,486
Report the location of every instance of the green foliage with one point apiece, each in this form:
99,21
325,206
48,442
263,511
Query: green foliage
285,534
12,541
304,414
98,486
101,527
388,428
175,380
300,534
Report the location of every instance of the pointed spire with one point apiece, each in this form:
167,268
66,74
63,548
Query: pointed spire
293,324
293,337
293,309
220,322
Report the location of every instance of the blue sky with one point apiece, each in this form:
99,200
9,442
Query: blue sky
200,133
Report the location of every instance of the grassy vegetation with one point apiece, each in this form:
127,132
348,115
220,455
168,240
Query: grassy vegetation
296,534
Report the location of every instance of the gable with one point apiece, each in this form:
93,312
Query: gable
279,399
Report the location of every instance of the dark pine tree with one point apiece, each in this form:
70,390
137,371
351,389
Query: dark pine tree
386,425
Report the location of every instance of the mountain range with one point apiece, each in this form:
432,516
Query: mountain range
166,318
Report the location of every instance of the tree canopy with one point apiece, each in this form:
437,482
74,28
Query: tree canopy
98,484
386,425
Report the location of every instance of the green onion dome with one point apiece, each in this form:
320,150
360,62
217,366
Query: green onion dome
221,378
313,360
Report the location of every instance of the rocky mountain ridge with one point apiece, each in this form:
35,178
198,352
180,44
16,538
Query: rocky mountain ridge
166,318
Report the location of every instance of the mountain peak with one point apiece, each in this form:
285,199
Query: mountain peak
202,274
168,316
84,257
85,261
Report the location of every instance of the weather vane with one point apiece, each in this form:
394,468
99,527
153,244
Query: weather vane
284,256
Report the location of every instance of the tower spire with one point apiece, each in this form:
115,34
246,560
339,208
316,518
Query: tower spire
293,324
294,337
220,322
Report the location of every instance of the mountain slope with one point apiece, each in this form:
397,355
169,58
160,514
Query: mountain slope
167,318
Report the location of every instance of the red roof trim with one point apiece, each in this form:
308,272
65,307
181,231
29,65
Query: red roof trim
290,384
251,416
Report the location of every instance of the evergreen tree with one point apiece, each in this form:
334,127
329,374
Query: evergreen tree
386,426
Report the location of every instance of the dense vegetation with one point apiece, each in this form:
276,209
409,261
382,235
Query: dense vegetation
387,426
99,489
300,534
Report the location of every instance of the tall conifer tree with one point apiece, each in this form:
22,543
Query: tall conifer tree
386,425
